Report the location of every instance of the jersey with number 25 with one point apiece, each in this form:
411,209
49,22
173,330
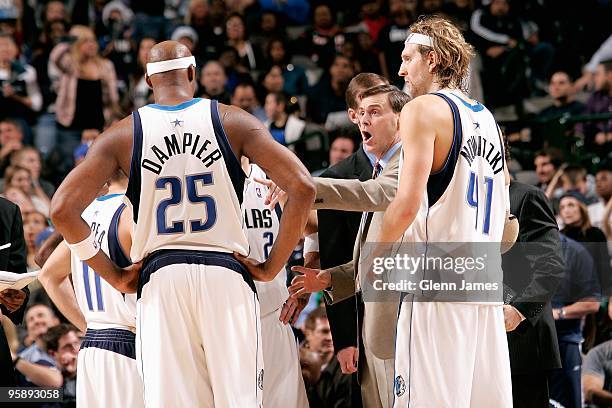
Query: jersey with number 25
186,184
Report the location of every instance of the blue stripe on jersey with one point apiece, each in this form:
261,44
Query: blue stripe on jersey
278,210
173,108
474,108
86,283
108,197
231,161
439,181
133,188
98,285
117,255
118,341
165,257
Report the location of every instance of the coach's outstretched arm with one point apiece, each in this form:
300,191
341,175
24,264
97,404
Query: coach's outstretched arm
249,137
112,151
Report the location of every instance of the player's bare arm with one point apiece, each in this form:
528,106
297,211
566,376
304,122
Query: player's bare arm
249,137
54,278
80,188
421,120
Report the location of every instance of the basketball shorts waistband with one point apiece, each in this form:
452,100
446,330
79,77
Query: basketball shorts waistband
118,341
165,257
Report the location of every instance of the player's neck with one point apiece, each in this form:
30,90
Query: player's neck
172,96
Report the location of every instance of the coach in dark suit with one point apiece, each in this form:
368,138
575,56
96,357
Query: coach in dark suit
12,259
532,270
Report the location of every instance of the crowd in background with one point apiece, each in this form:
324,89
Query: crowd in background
69,69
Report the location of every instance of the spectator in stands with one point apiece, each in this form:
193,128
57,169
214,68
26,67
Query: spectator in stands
333,388
87,93
342,146
597,376
576,297
500,40
20,96
561,89
149,20
599,135
460,11
575,217
327,95
53,33
34,223
391,39
21,178
285,128
373,19
603,53
189,38
11,140
63,344
16,196
603,187
271,80
141,93
546,163
237,38
210,40
213,81
29,158
323,40
245,98
295,81
269,26
34,364
117,44
574,179
310,363
235,72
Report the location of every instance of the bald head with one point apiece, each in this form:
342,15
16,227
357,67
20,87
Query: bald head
168,50
176,78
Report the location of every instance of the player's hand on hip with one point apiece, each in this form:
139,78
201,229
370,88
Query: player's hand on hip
275,193
348,357
257,269
310,280
292,308
512,318
130,277
12,299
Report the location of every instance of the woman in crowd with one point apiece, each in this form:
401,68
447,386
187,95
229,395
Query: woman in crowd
140,91
87,91
296,82
29,158
34,223
237,38
21,178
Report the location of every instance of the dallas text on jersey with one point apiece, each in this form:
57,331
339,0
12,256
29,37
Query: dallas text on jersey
197,147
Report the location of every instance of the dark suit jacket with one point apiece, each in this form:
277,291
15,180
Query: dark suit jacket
533,268
12,259
337,234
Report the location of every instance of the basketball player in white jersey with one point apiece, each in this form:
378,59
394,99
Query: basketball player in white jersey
280,351
451,189
107,370
198,341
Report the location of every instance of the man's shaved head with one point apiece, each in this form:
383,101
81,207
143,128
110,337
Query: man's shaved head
168,50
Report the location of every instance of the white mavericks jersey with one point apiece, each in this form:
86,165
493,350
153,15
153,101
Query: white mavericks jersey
261,227
102,305
185,183
465,201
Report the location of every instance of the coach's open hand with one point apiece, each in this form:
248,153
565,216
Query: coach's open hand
310,280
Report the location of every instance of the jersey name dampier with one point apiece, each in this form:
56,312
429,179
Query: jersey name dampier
173,146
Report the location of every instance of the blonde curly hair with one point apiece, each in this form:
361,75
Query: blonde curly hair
453,53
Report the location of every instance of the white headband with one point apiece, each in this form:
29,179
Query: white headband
420,39
169,65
